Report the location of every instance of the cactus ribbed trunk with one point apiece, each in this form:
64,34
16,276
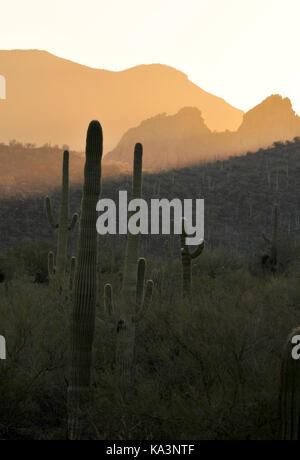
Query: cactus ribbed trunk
290,393
59,268
84,298
61,256
126,325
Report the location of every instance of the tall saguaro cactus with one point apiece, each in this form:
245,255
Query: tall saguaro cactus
186,261
85,288
290,391
63,225
126,326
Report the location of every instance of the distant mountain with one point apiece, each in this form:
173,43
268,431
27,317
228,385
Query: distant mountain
52,100
272,120
183,139
167,140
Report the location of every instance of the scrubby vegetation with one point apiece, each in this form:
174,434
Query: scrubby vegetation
206,369
206,365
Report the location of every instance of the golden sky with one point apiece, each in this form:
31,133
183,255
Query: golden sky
241,50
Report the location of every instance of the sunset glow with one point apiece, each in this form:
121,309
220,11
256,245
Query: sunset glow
242,51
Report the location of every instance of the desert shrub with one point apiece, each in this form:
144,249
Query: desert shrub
34,321
30,259
205,369
208,369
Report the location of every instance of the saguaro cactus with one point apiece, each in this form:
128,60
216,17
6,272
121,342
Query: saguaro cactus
142,301
63,225
84,297
186,261
270,260
144,291
290,390
126,325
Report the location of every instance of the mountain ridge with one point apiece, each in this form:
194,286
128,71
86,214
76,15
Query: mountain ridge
183,139
51,99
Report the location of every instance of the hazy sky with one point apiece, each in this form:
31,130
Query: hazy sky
241,50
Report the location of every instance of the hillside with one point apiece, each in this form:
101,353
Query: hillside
30,170
50,99
239,196
184,139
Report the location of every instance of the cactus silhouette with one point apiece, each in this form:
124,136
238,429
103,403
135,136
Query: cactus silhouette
142,301
186,262
63,225
108,300
290,391
132,286
85,288
270,260
51,263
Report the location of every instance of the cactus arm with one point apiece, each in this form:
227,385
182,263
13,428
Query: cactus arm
197,251
183,245
85,289
51,264
147,300
62,240
73,221
51,220
140,283
186,262
148,293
